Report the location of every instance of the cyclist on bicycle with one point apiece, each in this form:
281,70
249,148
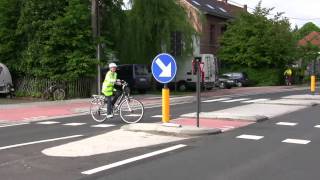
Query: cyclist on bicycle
109,90
287,74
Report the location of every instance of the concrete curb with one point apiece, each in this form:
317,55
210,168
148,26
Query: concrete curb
231,117
155,128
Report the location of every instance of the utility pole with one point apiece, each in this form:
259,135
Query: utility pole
95,23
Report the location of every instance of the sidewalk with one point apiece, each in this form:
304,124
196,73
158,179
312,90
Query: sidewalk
36,111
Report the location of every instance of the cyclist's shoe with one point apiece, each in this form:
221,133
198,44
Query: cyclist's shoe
110,116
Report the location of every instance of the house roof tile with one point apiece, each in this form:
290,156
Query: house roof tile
313,38
211,7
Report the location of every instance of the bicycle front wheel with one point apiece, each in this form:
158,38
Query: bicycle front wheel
59,94
131,111
98,112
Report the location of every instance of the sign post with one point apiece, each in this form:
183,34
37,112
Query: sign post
197,62
164,69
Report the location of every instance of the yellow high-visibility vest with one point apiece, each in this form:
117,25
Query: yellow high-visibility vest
108,83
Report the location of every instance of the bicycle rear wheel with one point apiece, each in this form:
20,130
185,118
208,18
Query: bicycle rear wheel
59,94
46,95
131,110
98,112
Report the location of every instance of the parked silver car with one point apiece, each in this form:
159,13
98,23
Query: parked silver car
6,86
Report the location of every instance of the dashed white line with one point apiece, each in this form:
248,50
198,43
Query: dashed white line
48,122
215,100
251,137
157,116
235,100
103,125
14,124
255,100
130,160
296,141
74,124
38,142
286,124
317,126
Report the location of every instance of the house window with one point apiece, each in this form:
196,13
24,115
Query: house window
176,43
212,33
223,29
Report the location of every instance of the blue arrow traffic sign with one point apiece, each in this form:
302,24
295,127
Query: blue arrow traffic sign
164,68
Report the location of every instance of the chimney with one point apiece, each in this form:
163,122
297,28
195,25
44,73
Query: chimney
245,7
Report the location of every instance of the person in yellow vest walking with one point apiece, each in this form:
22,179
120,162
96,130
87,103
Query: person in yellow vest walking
288,76
109,90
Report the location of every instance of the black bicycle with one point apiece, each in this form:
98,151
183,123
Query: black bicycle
131,110
55,92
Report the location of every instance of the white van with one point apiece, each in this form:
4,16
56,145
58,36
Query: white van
6,86
186,78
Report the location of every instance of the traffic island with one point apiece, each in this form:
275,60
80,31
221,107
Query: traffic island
170,129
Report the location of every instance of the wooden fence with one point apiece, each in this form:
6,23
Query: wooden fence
34,87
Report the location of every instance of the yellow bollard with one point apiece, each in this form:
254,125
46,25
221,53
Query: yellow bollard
165,105
313,84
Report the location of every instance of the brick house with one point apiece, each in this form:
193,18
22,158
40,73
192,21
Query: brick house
313,38
209,18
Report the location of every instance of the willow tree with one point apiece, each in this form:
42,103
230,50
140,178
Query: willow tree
9,15
149,28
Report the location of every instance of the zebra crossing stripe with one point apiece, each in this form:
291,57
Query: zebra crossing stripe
215,100
74,124
255,100
48,122
103,125
236,100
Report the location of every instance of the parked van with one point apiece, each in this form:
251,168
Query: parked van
136,75
186,78
6,86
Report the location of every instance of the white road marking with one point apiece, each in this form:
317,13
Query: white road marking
255,100
15,124
251,137
235,100
226,128
133,115
48,122
287,124
103,125
38,142
157,116
130,160
74,124
296,141
215,100
35,118
182,97
317,126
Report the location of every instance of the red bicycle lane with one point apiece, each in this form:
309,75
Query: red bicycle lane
39,111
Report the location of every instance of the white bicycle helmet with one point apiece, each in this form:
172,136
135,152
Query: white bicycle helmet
111,65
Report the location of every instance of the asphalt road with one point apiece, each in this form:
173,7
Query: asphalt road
222,156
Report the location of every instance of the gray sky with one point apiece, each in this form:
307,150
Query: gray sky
298,11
